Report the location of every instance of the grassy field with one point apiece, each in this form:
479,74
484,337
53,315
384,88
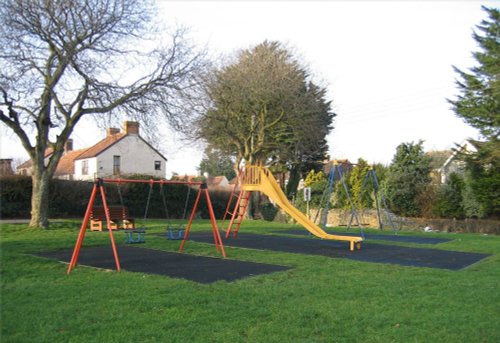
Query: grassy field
318,300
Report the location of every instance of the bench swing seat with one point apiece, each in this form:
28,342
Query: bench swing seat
118,215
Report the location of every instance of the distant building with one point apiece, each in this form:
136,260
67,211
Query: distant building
118,154
453,164
219,181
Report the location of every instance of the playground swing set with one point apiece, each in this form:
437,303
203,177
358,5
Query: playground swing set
129,224
336,175
250,179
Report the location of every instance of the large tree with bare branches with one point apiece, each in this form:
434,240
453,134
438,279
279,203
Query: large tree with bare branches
63,60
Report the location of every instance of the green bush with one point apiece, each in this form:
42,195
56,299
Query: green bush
15,201
70,198
269,211
448,199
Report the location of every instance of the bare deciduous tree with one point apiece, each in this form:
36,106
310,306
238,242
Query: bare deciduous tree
63,60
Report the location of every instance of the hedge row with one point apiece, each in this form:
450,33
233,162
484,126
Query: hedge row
70,199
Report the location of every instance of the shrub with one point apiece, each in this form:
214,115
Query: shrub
269,211
448,199
70,198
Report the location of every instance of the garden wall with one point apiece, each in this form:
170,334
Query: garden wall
368,218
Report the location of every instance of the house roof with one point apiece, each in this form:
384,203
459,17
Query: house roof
464,147
438,158
109,141
28,164
102,145
67,162
216,180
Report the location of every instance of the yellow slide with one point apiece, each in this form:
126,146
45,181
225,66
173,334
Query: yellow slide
261,179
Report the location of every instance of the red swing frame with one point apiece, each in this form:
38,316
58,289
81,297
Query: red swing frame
99,187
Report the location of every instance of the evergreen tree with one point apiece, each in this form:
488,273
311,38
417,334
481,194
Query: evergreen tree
448,200
215,163
479,105
472,207
479,102
483,182
407,179
361,196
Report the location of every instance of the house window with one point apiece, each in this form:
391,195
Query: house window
85,167
157,165
116,165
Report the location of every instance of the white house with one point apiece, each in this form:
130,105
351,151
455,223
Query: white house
453,164
118,154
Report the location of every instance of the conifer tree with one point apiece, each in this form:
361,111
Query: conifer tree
478,104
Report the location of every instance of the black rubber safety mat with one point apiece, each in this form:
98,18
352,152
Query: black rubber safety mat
405,256
195,268
370,236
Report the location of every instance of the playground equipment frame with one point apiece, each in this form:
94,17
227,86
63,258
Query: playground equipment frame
99,187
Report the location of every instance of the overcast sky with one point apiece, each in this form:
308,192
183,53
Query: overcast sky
387,66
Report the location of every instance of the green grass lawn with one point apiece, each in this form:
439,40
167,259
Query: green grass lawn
318,300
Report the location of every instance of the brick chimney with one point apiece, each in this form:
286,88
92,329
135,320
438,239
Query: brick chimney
6,167
68,146
131,127
112,131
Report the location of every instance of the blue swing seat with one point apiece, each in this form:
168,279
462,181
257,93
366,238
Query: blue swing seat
175,234
135,236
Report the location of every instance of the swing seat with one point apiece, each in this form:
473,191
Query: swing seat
135,236
173,235
117,214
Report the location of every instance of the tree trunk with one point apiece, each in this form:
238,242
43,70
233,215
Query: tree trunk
40,200
293,182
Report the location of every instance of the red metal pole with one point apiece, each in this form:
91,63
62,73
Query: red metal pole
229,203
215,230
83,228
236,212
191,217
108,221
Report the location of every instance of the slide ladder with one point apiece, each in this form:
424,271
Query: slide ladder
239,212
257,178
